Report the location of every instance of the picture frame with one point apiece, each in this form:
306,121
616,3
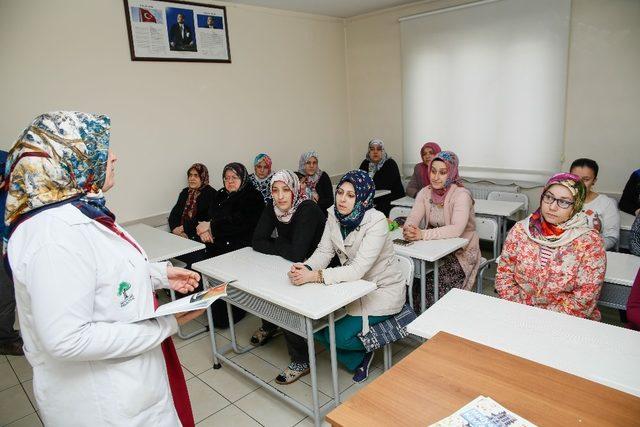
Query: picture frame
164,30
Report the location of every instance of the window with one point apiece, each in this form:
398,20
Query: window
488,81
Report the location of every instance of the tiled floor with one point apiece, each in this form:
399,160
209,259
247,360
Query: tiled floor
222,397
219,397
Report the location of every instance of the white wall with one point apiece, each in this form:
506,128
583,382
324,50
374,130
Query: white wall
293,85
284,92
603,95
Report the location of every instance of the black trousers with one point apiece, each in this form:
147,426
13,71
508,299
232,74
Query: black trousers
7,309
296,345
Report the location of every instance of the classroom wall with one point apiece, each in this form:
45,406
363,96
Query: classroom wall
285,91
603,94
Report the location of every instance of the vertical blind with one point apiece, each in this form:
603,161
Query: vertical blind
488,81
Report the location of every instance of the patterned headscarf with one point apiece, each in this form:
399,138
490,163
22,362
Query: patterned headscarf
312,180
60,155
365,191
375,167
240,171
579,223
424,169
190,206
451,160
263,185
291,180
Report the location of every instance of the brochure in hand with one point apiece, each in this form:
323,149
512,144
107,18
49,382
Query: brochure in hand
197,301
483,412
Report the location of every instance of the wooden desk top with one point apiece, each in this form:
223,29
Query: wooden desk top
447,372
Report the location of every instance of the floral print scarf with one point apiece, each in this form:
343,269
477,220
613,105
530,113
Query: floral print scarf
365,191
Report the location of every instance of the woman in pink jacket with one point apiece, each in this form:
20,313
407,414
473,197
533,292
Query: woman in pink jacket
554,259
446,207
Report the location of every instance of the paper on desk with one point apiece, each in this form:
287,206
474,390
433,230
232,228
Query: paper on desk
197,301
483,412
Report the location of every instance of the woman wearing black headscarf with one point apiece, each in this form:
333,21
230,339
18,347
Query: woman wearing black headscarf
233,217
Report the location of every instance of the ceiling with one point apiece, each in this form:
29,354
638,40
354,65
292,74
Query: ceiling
336,8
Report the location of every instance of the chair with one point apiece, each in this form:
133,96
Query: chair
511,197
399,212
487,229
484,264
406,267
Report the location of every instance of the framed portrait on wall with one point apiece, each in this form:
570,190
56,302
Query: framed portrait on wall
162,30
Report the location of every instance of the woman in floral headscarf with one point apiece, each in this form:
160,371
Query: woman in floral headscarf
358,234
317,183
555,258
299,223
446,207
191,208
385,174
261,178
420,177
82,284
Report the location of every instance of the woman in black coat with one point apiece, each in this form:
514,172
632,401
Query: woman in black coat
232,219
191,208
385,173
299,223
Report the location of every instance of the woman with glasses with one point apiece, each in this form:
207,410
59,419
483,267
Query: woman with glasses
555,259
234,215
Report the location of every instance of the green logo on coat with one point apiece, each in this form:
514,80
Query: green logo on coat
123,287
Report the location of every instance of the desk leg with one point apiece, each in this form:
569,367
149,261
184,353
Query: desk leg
314,373
212,330
423,285
435,281
334,360
500,231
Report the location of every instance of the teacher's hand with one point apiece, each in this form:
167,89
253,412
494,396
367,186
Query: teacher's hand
182,280
188,316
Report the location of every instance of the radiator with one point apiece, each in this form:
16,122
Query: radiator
480,190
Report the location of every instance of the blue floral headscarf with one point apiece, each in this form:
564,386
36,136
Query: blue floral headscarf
365,192
62,154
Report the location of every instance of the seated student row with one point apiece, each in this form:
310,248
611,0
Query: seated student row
447,207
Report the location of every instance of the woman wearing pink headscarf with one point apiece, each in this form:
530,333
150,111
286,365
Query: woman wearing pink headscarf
420,177
447,209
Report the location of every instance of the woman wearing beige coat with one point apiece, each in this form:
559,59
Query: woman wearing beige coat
447,209
359,236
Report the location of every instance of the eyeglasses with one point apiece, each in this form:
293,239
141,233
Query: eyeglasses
562,203
231,178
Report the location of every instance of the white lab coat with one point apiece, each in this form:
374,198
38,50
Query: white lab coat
91,367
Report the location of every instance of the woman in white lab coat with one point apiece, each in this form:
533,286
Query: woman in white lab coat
81,283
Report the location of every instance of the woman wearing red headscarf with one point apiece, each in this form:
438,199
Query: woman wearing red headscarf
420,177
447,209
191,208
555,258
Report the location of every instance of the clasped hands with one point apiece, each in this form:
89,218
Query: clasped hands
411,233
300,274
204,232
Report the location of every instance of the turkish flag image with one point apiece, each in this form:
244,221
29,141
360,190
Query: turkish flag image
146,16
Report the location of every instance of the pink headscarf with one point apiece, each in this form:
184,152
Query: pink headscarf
424,169
451,160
